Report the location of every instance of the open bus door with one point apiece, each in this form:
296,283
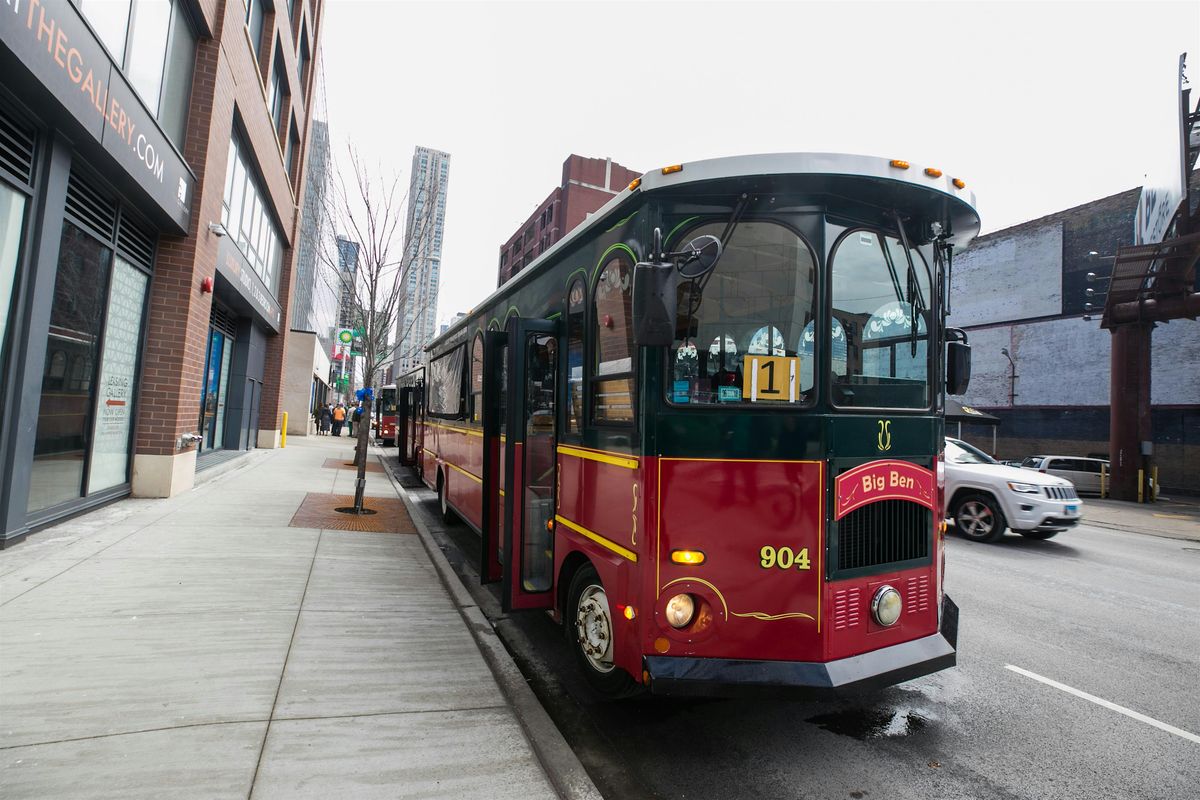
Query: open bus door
405,418
519,491
409,433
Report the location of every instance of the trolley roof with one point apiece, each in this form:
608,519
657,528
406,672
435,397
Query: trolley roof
881,181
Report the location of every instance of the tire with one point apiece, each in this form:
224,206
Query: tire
589,627
978,517
389,442
447,513
1039,534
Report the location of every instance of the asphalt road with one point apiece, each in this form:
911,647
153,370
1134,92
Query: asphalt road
1101,613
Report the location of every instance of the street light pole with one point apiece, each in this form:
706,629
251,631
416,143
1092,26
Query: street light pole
1012,379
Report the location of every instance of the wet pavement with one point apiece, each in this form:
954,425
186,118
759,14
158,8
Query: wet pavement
1098,610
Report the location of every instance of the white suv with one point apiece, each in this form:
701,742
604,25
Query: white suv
984,497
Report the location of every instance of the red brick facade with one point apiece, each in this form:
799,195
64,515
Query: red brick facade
587,184
227,76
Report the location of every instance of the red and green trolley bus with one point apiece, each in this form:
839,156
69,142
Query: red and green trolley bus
704,429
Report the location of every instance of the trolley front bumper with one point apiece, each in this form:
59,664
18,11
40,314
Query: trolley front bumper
862,673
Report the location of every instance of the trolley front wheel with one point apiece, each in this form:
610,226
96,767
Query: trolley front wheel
590,632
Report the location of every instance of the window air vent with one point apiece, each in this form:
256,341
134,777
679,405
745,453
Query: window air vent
16,146
223,320
886,532
136,243
90,208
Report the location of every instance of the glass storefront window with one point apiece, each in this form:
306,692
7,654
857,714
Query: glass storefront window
12,213
65,409
245,215
118,374
110,20
177,78
147,48
223,396
215,389
153,44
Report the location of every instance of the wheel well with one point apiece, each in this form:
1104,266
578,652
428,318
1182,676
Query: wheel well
571,564
440,480
963,492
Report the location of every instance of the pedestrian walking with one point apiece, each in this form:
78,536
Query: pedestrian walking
339,419
324,420
356,417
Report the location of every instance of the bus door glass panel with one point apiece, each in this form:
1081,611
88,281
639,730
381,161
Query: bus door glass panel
537,556
492,406
405,423
530,464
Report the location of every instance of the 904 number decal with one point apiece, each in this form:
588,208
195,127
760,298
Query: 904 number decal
784,558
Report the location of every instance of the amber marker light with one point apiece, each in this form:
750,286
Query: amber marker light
633,184
959,183
630,612
672,168
933,173
690,557
898,164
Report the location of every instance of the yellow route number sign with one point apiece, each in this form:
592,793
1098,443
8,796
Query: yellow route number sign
775,378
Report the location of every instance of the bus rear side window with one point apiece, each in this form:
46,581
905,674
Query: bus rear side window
576,297
612,378
477,378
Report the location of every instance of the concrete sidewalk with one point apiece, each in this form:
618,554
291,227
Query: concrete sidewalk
1177,518
201,647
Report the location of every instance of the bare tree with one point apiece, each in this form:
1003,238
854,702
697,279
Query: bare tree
369,210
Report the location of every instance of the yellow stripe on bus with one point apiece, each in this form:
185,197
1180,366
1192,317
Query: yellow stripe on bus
597,538
470,475
604,458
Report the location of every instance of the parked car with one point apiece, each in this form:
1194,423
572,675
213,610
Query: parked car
1084,473
984,497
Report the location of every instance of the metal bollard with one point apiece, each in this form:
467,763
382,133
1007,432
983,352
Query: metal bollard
283,433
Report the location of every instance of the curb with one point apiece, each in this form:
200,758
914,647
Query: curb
566,773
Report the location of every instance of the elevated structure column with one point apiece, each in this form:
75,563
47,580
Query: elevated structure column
1130,431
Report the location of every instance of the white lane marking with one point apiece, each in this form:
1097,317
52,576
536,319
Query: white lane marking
1191,737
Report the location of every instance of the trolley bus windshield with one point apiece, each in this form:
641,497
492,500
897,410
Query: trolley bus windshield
759,301
879,333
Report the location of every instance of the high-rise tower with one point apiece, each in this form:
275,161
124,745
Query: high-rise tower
417,316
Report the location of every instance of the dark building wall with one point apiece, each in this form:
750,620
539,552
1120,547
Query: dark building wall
1023,289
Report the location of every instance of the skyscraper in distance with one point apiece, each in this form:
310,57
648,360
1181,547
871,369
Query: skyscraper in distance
416,318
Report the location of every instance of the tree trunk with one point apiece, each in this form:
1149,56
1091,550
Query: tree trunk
360,452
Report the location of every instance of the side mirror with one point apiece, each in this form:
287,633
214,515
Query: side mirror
699,257
655,303
958,362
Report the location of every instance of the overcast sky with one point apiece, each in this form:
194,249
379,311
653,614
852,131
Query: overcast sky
1037,106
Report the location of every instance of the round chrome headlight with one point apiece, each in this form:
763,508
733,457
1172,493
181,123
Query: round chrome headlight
680,610
886,606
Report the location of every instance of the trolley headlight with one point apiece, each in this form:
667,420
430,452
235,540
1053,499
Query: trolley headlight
680,610
886,606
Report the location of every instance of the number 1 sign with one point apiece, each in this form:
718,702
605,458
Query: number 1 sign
770,378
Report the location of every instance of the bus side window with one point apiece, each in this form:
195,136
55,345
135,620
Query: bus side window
612,379
576,298
476,411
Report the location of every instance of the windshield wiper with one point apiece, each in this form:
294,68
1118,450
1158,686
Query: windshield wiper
916,302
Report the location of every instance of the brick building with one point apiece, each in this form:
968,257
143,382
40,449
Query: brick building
152,156
1023,289
587,184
